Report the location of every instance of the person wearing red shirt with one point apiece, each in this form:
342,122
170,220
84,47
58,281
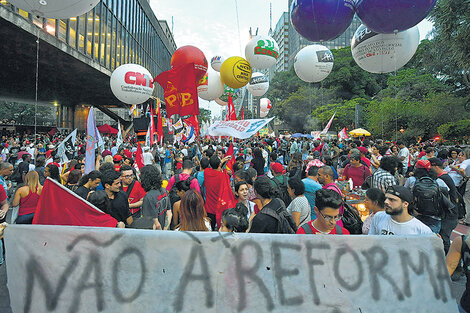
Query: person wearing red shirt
327,204
132,188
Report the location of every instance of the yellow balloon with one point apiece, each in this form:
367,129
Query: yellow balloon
235,72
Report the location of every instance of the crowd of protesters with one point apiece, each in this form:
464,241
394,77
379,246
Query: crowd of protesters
259,185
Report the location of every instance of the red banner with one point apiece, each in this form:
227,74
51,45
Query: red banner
232,115
180,90
59,206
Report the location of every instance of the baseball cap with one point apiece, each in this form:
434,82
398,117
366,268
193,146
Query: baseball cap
401,192
277,167
423,164
117,158
105,153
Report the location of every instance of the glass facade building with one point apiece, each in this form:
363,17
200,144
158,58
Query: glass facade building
115,32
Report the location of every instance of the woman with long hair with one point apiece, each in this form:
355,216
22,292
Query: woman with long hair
193,215
27,197
258,162
241,191
52,171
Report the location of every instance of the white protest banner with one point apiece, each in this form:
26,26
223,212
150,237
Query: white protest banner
241,129
86,269
66,148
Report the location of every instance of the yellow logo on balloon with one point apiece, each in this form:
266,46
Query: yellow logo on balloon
235,72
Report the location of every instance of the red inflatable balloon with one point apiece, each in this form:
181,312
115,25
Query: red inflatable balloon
190,54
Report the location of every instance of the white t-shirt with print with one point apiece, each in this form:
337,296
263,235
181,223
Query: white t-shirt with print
383,224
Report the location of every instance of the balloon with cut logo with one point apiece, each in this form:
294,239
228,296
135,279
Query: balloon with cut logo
390,16
216,62
321,20
235,72
223,99
58,9
131,83
313,63
383,53
258,85
210,86
190,54
262,52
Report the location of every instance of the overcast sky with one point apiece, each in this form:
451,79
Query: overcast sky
211,25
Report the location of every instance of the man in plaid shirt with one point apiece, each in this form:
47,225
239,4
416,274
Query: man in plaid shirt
384,176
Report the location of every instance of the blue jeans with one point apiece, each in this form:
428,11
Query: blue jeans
25,219
461,310
432,223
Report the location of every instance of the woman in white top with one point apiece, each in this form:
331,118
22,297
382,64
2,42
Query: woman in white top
299,208
241,191
374,202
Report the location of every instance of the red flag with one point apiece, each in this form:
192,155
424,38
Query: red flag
139,159
230,152
194,122
180,90
242,117
59,206
159,123
219,195
231,109
343,134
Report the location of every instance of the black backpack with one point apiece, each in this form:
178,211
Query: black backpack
16,176
427,197
352,219
286,224
281,189
173,195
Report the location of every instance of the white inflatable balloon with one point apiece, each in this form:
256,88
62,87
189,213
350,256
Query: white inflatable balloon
313,63
220,102
261,52
258,85
131,83
58,9
264,104
383,53
211,86
263,114
216,62
223,99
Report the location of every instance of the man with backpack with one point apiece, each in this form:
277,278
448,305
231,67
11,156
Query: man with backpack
280,182
327,205
185,174
428,199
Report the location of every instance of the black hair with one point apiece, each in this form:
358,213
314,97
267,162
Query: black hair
151,178
313,171
327,160
429,150
240,158
40,161
376,194
238,166
355,156
204,163
78,166
183,185
100,200
53,171
214,162
25,156
108,177
209,153
238,184
264,187
327,170
74,177
235,218
126,168
297,185
389,164
437,161
421,172
187,164
258,153
92,175
273,156
327,198
107,166
400,142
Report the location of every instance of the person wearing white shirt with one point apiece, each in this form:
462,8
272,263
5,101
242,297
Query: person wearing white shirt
396,220
147,156
404,156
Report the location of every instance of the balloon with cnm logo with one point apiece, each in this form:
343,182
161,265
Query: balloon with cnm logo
131,83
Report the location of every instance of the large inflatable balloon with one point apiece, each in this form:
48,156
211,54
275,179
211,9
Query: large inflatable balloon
235,72
190,54
131,83
383,53
223,99
210,86
390,16
321,20
262,52
264,105
216,62
58,9
313,63
258,85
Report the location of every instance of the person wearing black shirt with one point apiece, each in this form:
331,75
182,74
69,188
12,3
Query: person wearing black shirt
87,183
264,223
23,167
119,208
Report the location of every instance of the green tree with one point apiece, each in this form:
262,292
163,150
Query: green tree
345,113
23,113
455,130
204,115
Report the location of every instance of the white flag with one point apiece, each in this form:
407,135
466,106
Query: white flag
66,148
119,140
324,131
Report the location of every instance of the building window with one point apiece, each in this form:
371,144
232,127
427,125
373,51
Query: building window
97,32
62,34
73,31
82,20
108,38
113,44
103,35
50,26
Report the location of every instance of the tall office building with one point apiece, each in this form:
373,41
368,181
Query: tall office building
76,56
281,35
